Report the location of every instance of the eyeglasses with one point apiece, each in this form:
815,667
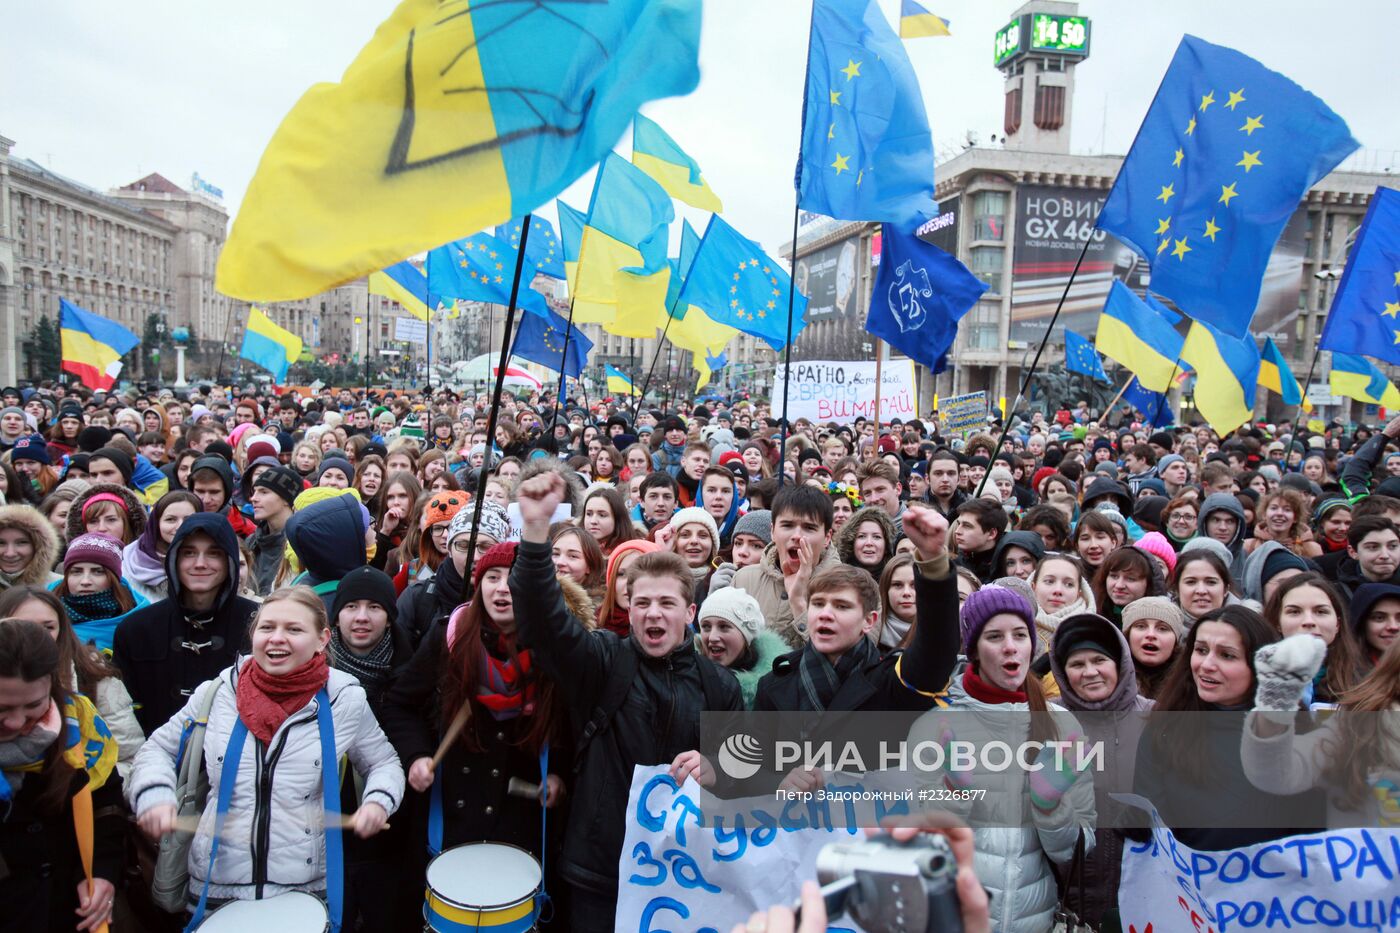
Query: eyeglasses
1182,517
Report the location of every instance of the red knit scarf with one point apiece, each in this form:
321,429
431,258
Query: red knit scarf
266,700
979,689
504,686
619,623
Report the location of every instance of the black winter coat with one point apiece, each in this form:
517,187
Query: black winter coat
162,655
659,719
475,802
926,665
425,603
39,889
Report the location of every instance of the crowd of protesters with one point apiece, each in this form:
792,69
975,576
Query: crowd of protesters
560,601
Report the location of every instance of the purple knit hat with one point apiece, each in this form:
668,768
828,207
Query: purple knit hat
95,548
989,601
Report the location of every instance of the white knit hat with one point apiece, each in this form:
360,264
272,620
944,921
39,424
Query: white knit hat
737,608
693,514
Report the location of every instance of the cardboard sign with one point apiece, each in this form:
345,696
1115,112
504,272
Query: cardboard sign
843,390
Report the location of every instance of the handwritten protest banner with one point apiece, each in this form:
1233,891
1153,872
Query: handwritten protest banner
683,869
1344,879
843,390
961,412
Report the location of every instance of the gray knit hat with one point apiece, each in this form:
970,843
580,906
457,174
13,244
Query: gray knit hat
1157,608
494,522
1205,543
758,523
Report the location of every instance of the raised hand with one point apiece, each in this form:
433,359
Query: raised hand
928,530
538,497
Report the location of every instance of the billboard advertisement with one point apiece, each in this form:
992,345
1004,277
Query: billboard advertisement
942,231
828,278
1276,315
1051,227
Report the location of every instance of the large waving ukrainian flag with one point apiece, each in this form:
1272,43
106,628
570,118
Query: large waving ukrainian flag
92,346
455,117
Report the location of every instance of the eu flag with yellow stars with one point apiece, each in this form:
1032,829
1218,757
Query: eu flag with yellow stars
734,283
482,268
1365,315
1226,151
1153,405
867,153
541,339
1081,357
542,249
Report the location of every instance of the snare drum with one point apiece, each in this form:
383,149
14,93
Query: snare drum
294,912
482,886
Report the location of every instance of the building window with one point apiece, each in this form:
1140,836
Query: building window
989,215
986,264
983,337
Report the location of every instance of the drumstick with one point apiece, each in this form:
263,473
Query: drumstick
190,824
518,787
454,729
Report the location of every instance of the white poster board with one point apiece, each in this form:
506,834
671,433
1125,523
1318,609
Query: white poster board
410,330
843,390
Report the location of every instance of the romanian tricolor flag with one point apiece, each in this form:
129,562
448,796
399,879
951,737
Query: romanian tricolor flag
93,346
618,383
271,347
915,22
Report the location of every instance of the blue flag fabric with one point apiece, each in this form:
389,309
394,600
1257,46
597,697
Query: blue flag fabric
1081,357
481,268
1153,405
540,339
1365,314
1226,151
867,153
543,249
920,295
734,282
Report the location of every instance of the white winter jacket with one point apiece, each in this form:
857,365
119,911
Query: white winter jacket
273,840
1015,841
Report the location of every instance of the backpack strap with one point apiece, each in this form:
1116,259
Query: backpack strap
228,777
624,671
330,795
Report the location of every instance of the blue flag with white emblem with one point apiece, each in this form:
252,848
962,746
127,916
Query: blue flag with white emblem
1365,315
1226,151
867,153
542,249
1081,357
541,339
920,295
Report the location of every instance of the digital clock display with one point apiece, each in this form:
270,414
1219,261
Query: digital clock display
1045,33
1008,41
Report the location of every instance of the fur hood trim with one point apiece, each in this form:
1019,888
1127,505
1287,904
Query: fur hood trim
41,533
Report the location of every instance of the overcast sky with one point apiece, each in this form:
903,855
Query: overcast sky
106,93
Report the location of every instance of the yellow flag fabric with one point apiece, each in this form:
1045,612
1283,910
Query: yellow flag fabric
701,336
641,303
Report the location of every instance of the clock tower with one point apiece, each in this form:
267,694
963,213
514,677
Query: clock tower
1037,52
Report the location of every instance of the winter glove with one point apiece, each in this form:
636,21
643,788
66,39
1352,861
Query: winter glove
953,780
1284,670
723,576
1060,767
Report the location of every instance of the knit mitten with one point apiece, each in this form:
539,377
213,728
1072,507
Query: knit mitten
723,576
1060,767
953,780
1284,670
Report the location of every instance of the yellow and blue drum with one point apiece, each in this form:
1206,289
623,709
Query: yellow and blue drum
483,886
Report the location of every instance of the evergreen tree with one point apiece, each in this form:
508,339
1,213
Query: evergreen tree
47,348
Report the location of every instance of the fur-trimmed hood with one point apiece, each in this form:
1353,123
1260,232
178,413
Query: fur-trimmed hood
845,539
770,647
135,511
578,602
41,534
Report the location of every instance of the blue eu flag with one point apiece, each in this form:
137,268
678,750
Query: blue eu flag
543,249
919,297
867,153
540,339
735,283
1226,151
1153,405
1081,357
481,268
1365,315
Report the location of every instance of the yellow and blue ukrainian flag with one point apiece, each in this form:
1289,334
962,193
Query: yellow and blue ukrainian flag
453,117
92,346
1138,338
1275,375
657,154
915,22
271,347
1225,153
618,383
622,268
405,283
1357,378
1227,371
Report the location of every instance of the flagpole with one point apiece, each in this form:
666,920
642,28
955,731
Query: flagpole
1157,417
1119,397
1035,363
430,353
228,321
792,255
879,360
564,361
652,369
480,494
